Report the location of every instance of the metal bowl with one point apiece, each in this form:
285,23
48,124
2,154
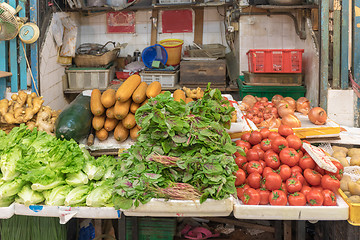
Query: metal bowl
285,2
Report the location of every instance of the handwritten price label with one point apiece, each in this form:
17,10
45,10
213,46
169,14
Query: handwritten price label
319,156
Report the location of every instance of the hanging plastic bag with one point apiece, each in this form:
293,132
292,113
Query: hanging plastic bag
69,40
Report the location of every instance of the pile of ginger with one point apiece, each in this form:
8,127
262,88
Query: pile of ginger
28,109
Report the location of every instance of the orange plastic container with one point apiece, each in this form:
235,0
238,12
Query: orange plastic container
275,60
173,48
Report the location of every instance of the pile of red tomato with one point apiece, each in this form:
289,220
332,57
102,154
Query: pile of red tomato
278,171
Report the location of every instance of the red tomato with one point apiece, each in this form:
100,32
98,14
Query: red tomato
263,164
245,136
240,177
329,198
264,196
289,156
244,167
265,144
265,133
301,154
283,188
294,141
242,143
273,135
252,155
285,130
305,190
319,170
317,188
330,182
277,197
340,170
272,161
296,169
254,166
278,144
241,153
240,161
293,185
285,172
251,197
255,138
266,171
299,177
297,199
257,147
261,153
314,198
273,181
312,177
240,190
269,152
254,180
307,162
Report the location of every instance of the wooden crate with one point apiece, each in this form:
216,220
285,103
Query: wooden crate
199,73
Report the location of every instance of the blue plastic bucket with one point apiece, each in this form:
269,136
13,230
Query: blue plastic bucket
154,53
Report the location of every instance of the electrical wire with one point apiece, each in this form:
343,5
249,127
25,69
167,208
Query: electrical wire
31,75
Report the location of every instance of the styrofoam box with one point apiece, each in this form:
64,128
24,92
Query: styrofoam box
183,208
7,212
312,213
56,211
166,79
90,79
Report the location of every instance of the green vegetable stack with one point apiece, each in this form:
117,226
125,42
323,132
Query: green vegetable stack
183,152
38,168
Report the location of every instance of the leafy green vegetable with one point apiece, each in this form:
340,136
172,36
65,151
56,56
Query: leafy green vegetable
27,196
77,179
56,197
77,196
101,195
11,188
193,146
6,201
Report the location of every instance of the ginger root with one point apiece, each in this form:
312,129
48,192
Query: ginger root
21,99
4,106
37,104
197,93
30,125
43,120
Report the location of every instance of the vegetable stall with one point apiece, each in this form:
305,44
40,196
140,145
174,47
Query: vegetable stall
178,155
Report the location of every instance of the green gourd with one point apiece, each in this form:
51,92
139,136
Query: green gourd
75,121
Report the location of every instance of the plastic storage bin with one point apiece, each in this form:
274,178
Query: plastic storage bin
273,79
167,80
269,91
173,48
89,78
152,228
275,60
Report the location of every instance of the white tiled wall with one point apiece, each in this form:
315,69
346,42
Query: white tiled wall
93,29
266,32
51,74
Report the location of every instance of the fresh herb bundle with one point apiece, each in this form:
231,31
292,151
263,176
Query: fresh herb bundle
183,150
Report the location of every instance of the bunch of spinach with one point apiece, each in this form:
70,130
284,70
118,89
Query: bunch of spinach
192,133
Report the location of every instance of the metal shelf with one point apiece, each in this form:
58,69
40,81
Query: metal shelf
278,7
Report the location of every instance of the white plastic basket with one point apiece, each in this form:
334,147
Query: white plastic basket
167,80
90,79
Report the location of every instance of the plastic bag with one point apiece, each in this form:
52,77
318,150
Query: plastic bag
57,29
69,40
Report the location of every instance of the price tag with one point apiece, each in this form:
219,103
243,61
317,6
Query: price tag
66,213
320,157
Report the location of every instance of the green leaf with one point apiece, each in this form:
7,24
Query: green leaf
122,203
140,168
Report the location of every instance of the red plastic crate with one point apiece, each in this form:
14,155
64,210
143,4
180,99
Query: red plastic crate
275,60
